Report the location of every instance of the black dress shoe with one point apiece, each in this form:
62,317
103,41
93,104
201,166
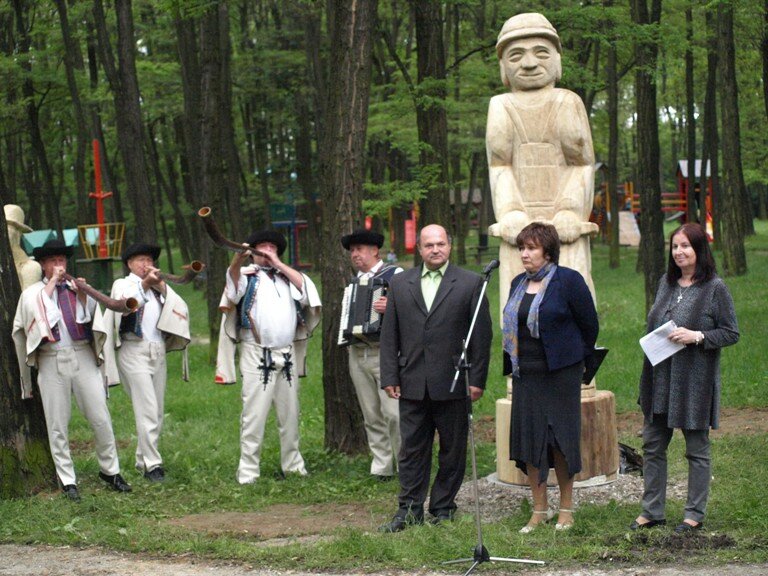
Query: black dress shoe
116,482
157,474
684,527
384,477
70,491
650,524
400,523
442,516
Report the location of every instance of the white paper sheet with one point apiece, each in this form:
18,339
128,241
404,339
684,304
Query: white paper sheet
657,345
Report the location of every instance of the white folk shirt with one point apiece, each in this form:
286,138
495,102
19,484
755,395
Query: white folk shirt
273,312
150,301
83,315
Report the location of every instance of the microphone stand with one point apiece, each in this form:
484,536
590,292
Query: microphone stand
480,553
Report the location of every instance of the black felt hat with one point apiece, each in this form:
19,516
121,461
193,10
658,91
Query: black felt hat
140,248
271,236
363,236
53,247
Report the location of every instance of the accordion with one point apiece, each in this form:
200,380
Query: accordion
359,321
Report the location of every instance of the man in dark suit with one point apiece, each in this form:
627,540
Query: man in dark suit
429,311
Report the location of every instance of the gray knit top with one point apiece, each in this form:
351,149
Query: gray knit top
686,386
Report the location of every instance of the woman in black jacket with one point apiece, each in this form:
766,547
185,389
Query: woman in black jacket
550,327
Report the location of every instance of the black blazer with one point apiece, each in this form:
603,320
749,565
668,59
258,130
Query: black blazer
568,323
420,350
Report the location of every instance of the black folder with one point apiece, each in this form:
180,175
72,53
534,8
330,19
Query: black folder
592,363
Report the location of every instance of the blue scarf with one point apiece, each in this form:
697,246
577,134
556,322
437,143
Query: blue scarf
511,310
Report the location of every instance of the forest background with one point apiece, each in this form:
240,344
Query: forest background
351,108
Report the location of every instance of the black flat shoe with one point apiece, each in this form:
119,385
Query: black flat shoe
70,491
684,527
157,474
400,523
650,524
116,482
441,517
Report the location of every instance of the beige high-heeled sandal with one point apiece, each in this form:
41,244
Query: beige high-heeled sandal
528,528
564,525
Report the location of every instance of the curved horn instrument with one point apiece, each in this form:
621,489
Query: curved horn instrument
124,305
218,238
192,269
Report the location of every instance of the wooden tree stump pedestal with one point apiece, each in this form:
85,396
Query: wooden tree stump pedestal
599,442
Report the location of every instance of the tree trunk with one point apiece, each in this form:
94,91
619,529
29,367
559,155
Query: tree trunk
734,189
764,55
710,145
47,197
159,186
648,177
612,89
212,149
26,465
184,238
341,159
460,210
305,177
690,121
124,84
431,118
73,64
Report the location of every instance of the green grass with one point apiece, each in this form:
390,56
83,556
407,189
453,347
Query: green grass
200,445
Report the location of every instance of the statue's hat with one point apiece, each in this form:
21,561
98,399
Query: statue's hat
14,215
527,25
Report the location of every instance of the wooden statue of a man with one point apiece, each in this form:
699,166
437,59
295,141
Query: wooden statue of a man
28,270
539,147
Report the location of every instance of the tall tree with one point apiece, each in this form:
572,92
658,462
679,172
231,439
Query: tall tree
733,188
612,89
46,196
73,65
647,176
26,464
710,142
431,117
124,83
690,121
764,55
214,83
341,158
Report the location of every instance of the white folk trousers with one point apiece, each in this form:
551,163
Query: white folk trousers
63,373
381,414
143,372
269,379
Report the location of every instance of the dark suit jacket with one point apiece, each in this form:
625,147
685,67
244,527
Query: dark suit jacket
568,323
420,349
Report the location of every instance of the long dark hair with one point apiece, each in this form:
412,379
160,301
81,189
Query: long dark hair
705,262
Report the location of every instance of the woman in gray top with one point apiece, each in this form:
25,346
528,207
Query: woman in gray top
683,391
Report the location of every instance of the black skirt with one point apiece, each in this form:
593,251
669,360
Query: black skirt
546,415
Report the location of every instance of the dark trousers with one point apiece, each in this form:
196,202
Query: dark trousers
419,419
656,438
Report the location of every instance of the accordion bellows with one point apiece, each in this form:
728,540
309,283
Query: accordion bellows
359,321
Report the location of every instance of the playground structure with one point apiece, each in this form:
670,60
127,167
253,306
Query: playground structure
102,242
284,218
673,204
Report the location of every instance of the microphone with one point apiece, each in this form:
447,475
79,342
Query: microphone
492,265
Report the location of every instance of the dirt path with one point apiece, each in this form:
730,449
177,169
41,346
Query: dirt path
47,561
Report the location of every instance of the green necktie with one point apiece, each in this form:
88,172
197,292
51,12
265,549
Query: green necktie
430,286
